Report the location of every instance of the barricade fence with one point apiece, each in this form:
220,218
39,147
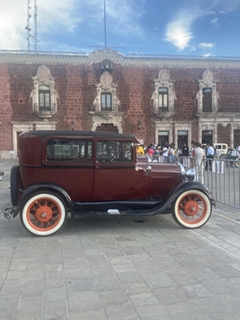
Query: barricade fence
221,176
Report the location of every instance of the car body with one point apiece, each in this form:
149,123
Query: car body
83,172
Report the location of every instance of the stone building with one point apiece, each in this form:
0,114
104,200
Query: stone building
158,99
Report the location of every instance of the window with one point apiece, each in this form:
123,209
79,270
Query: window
163,137
44,98
163,96
106,101
207,136
114,151
207,99
69,150
163,99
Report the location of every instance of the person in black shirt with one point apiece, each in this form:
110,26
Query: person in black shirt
185,150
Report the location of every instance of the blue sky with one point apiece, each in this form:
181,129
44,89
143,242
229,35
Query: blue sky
208,28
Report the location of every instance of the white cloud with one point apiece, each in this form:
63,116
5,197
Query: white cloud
207,55
205,45
215,22
178,31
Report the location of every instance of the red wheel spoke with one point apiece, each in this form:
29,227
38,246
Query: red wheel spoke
44,214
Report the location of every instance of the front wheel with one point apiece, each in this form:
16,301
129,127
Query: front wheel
192,209
44,214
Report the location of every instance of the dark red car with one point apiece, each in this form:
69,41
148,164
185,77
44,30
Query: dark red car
81,172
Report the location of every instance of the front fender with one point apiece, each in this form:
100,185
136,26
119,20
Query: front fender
44,187
185,186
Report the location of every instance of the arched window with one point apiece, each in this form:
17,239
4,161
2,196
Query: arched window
207,99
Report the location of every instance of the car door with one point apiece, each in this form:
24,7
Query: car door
115,176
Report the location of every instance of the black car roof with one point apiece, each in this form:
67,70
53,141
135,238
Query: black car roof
43,134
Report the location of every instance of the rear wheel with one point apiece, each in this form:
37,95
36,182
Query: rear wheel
44,214
192,209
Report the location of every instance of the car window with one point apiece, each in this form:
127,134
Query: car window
114,151
68,150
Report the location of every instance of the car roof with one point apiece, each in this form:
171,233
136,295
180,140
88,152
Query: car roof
43,134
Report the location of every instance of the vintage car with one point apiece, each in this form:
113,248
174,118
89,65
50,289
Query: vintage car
86,172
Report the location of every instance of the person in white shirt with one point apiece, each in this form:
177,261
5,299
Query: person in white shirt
209,155
165,153
199,154
238,150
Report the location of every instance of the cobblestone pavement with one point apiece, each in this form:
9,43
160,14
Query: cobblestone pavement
120,268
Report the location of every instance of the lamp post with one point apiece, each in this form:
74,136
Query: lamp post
139,125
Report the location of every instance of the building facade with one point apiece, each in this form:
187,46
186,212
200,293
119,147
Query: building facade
158,99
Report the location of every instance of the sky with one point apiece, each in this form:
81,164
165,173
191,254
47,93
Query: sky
206,28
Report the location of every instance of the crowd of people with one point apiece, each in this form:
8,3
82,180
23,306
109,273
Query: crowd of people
169,153
189,157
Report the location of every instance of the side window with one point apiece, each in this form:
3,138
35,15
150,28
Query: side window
114,151
207,99
69,150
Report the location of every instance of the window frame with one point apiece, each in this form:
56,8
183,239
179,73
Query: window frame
163,99
105,102
44,95
69,150
207,99
116,151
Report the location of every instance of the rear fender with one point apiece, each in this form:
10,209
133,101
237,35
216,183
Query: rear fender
43,188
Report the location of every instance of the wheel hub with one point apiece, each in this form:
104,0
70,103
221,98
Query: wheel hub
191,208
44,213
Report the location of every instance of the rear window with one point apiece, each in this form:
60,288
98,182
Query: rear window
69,150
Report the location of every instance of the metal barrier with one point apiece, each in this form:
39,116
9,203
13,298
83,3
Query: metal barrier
221,176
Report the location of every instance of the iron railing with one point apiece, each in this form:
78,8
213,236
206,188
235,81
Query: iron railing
222,177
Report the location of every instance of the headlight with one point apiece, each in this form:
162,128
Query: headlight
183,172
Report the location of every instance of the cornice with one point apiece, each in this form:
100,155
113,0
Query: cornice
60,58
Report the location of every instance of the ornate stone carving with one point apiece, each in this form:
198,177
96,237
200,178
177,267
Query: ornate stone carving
207,82
45,78
112,116
163,80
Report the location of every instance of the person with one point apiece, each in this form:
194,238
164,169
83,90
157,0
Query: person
193,154
150,152
238,150
140,150
157,153
172,152
199,154
185,155
185,150
209,155
165,152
